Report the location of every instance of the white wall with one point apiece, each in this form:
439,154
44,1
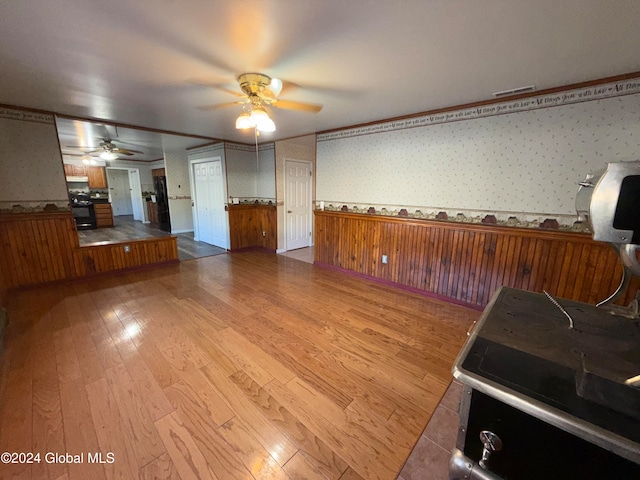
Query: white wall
529,161
146,181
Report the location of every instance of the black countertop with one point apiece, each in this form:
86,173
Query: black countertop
523,353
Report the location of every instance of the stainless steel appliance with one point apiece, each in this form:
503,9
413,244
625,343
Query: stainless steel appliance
548,382
83,211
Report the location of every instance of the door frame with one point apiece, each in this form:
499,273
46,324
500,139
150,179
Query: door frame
286,201
136,195
132,189
192,184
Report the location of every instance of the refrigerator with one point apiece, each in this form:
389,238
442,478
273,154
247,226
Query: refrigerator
162,203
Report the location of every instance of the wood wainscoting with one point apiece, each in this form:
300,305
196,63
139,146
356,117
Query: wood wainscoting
3,288
248,221
39,248
468,262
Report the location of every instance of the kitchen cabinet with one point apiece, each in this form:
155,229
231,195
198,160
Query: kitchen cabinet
71,170
152,212
158,172
104,214
97,177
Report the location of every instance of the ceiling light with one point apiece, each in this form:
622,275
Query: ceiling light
261,120
266,125
108,155
276,86
255,116
244,121
86,159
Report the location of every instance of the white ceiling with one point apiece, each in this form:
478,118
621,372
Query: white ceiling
144,62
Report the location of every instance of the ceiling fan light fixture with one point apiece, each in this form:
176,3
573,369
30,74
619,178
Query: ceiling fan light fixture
244,121
267,125
108,155
276,86
261,120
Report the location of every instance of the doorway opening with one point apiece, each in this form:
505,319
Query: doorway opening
125,192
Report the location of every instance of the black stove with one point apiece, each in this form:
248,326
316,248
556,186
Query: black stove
83,211
526,364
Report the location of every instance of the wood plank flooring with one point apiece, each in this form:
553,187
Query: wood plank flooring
241,366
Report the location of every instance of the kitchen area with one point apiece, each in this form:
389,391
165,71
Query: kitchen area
102,197
89,196
117,180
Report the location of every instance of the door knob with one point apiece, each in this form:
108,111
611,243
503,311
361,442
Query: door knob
491,443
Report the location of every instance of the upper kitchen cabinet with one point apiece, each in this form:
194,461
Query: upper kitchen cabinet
71,170
97,177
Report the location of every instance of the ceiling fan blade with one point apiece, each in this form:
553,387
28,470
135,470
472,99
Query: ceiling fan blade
82,147
126,151
217,86
301,106
220,105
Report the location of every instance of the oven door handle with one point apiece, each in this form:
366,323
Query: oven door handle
462,467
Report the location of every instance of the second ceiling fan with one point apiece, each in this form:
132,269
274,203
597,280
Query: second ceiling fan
108,150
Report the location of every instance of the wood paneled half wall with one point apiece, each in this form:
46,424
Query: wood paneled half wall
465,262
43,247
253,225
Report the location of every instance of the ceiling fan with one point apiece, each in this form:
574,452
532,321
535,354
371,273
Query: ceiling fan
260,90
108,150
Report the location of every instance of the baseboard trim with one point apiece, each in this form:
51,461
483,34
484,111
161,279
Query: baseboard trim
181,231
252,249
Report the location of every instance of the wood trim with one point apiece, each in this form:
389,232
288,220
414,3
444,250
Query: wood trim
43,247
467,262
246,224
133,127
536,93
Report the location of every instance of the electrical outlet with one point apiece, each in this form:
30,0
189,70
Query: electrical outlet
385,260
127,249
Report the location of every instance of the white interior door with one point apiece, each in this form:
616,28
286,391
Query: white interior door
136,194
298,203
209,202
119,191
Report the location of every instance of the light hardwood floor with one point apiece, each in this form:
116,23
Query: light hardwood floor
240,366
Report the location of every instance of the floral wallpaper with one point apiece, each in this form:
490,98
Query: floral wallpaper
241,171
31,168
266,175
250,175
528,162
179,191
